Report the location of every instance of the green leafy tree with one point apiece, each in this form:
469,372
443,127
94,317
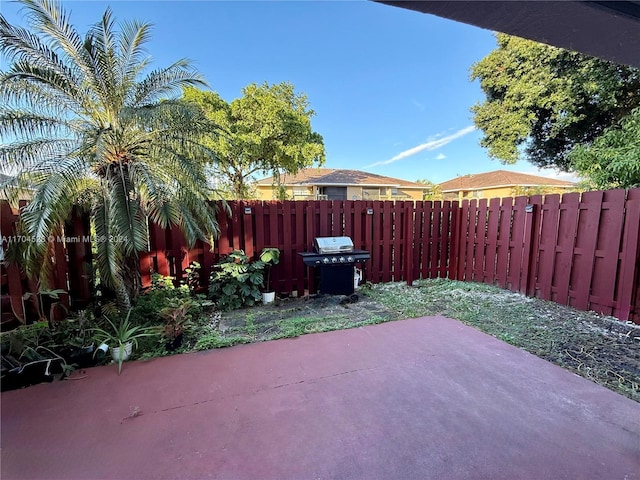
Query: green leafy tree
84,122
542,101
268,129
613,159
433,190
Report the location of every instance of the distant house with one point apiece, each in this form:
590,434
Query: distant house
501,183
338,184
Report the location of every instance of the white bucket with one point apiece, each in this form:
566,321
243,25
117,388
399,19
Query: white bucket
122,354
268,297
357,277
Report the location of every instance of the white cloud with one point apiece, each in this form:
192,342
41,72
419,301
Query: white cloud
432,144
441,156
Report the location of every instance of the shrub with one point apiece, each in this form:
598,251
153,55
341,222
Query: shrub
235,281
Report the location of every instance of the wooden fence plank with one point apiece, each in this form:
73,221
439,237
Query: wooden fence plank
491,242
288,252
408,243
629,260
567,224
387,247
418,238
634,314
606,262
436,233
463,240
311,234
480,241
260,219
547,246
471,240
427,239
397,228
337,207
584,251
348,219
325,224
359,213
455,239
445,240
504,238
532,242
368,267
300,247
247,212
516,243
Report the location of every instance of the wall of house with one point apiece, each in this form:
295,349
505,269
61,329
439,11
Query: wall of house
266,192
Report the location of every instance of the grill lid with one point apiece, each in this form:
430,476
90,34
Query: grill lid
332,244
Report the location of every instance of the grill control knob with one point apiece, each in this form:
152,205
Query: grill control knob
341,259
334,260
350,259
325,260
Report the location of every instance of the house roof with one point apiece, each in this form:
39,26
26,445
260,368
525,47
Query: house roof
340,177
499,178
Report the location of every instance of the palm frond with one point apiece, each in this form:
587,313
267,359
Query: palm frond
108,256
134,36
126,215
29,155
52,21
166,82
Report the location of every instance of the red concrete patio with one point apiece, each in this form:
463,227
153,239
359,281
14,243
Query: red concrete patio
427,398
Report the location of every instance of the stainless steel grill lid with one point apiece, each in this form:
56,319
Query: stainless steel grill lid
332,244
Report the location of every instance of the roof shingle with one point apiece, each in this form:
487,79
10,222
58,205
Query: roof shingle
499,178
333,176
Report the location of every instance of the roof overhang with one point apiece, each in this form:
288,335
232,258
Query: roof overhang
604,29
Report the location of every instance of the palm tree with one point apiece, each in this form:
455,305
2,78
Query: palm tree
84,122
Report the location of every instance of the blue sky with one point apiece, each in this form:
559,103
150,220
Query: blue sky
390,87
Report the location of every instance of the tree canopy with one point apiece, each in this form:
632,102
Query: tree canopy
85,123
266,130
613,159
543,101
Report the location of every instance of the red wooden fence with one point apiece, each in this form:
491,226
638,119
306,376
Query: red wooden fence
578,250
582,251
388,230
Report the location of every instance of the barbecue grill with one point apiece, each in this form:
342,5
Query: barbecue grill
336,258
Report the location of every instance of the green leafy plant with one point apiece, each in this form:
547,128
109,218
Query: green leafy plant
235,281
193,277
269,256
118,335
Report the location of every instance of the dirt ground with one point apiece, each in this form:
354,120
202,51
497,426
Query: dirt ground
311,308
